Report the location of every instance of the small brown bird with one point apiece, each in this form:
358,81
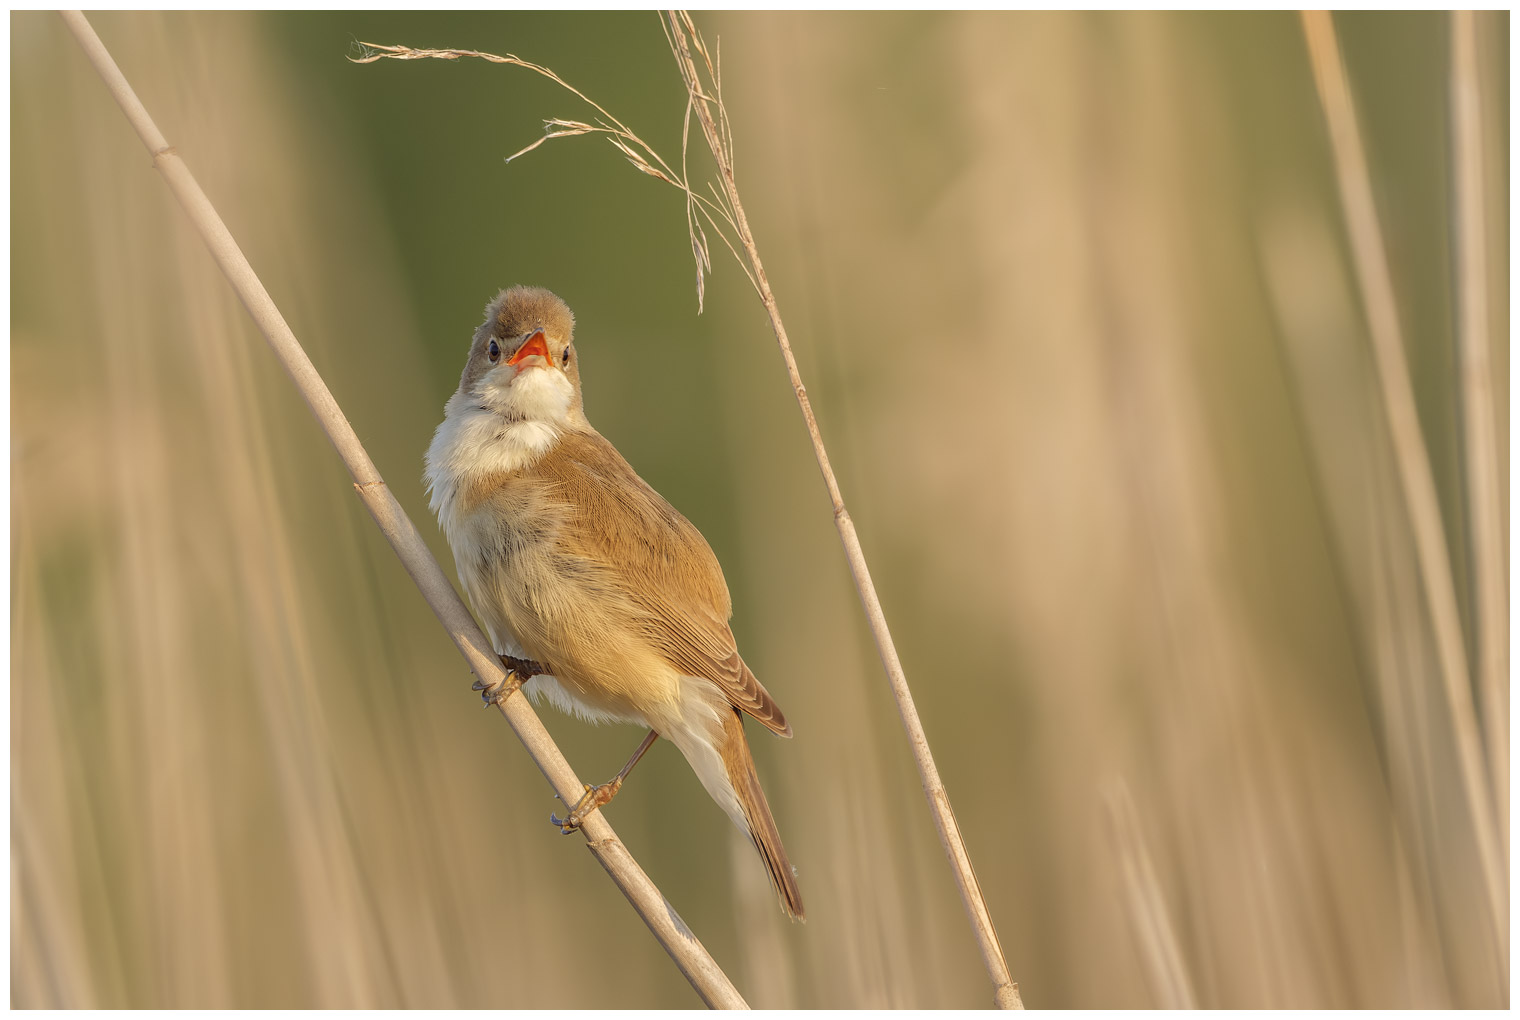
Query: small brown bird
572,560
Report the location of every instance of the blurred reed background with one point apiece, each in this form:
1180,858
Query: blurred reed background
1073,299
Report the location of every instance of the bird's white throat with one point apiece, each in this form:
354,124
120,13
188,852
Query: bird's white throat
533,394
505,424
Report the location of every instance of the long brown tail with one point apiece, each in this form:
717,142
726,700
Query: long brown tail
762,827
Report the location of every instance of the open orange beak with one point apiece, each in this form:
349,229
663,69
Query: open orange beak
535,344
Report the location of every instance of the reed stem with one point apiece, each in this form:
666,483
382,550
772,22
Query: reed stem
1480,444
1370,261
706,977
684,37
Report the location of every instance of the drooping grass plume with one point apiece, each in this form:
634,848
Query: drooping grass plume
639,153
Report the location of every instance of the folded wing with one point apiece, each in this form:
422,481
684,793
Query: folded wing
681,597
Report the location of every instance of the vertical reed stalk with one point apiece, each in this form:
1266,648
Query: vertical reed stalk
688,953
703,97
1480,446
1369,259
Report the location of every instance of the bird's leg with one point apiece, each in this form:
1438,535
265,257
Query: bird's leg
496,693
600,796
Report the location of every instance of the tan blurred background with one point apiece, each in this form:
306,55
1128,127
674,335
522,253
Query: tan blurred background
1073,300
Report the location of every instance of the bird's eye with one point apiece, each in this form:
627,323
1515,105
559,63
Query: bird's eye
494,350
565,358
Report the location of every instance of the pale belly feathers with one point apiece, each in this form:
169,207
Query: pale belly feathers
523,588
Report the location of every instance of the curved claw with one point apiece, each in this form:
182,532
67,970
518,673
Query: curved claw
594,797
600,796
496,693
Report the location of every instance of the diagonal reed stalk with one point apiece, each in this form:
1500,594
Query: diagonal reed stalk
1480,446
1369,259
723,213
704,95
688,953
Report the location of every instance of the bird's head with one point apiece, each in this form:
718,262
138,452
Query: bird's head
523,363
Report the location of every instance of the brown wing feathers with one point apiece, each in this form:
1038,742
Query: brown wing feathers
656,541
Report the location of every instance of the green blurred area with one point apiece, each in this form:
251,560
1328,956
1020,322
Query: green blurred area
1073,302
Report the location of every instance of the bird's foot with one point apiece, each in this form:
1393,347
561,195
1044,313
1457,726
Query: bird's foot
594,797
496,693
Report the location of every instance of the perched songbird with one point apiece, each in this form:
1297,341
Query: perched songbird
572,560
